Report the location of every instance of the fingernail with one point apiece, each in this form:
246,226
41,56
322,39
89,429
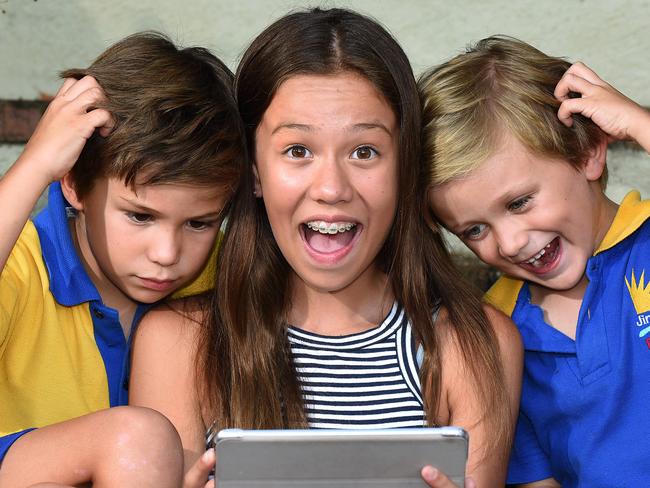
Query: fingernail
430,472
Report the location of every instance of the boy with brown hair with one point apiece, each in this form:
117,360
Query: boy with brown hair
142,152
517,145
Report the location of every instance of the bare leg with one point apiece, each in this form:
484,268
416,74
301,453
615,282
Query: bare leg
121,446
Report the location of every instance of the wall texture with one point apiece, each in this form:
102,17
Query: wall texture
38,38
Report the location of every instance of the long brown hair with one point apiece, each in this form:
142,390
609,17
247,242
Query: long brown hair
245,369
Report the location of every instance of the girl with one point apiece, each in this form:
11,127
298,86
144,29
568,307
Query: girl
329,281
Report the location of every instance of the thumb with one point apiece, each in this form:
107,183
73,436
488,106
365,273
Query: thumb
197,475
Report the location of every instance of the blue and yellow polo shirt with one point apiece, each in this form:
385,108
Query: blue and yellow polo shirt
584,411
62,351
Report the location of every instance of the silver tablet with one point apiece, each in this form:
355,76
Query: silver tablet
338,458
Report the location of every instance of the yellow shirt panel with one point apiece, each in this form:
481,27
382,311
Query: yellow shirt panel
50,367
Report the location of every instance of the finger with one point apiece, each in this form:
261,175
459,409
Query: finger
583,71
572,83
85,83
435,479
89,99
102,120
470,483
197,475
569,107
67,83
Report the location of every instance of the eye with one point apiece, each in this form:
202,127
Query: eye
474,232
139,218
199,224
364,152
519,204
298,152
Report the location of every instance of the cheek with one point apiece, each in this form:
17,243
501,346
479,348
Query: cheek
485,250
198,249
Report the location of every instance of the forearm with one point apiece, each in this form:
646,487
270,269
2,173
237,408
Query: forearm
547,483
640,131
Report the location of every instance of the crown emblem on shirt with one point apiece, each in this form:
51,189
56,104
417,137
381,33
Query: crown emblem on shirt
639,292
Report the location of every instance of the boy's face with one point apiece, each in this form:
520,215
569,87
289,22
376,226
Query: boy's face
532,217
143,245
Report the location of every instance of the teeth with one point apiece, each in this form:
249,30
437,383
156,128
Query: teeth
330,228
535,259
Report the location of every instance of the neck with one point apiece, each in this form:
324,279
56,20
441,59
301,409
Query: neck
360,306
604,217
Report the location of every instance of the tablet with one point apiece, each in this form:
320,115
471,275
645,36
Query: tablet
386,458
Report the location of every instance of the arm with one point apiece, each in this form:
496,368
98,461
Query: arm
547,483
68,122
618,116
487,463
163,378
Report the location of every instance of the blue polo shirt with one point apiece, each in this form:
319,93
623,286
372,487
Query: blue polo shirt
585,403
63,352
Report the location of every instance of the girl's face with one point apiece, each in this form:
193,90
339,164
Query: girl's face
326,166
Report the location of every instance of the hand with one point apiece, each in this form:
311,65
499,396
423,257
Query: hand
69,121
618,116
436,479
198,473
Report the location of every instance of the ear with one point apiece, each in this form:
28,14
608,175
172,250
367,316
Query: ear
257,187
596,160
70,193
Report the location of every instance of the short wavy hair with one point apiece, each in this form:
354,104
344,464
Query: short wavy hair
499,85
176,119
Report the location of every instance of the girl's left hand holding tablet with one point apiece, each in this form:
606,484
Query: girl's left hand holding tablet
196,475
436,479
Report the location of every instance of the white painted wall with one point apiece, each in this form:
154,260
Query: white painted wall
38,38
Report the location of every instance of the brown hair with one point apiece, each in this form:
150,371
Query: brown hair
245,368
500,83
176,119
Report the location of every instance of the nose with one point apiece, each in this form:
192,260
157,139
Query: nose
165,247
331,182
511,239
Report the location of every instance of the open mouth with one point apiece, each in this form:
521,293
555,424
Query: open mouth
545,258
329,238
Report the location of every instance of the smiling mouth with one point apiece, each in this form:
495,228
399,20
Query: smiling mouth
544,260
329,237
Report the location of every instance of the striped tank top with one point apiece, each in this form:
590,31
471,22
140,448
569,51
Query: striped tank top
367,380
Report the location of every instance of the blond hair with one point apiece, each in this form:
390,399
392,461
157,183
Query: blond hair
499,86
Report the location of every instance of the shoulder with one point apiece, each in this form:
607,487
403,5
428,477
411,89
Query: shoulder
26,255
506,333
173,325
164,350
24,279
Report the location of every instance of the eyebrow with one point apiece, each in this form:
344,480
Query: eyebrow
363,126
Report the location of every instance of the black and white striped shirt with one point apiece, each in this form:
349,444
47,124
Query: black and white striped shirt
360,381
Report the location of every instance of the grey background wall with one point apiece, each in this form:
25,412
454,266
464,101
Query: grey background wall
38,38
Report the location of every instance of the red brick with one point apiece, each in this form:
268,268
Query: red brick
18,118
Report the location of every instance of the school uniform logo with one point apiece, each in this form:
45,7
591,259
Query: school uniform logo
640,294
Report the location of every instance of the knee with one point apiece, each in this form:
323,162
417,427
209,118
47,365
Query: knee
144,438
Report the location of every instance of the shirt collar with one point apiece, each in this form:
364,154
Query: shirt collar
631,214
69,282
